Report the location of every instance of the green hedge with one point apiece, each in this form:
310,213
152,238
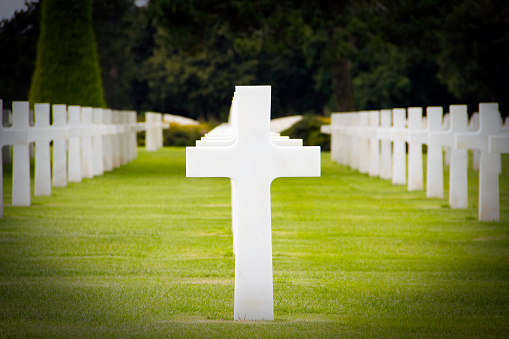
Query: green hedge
308,129
67,66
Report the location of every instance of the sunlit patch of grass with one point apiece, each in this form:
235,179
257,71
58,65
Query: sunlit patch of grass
145,252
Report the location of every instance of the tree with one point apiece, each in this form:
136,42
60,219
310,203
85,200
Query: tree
67,67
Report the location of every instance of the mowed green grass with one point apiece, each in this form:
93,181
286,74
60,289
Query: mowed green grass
146,252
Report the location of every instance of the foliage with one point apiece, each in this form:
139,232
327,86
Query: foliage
67,69
179,135
145,252
308,129
475,44
201,85
18,41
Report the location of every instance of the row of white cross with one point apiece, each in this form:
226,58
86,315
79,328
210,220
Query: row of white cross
252,157
86,142
362,141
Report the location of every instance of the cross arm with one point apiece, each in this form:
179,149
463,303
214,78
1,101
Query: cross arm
215,162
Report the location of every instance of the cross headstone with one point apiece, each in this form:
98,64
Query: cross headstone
416,136
75,134
489,125
21,156
6,122
336,147
97,140
108,149
446,125
59,146
384,135
354,157
363,140
17,136
253,161
374,144
87,152
458,182
42,170
474,126
399,138
434,163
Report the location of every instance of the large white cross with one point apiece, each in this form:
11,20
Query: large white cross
253,161
399,138
489,167
458,183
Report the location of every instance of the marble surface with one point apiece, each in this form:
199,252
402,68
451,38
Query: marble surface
416,135
434,159
75,134
489,166
59,147
87,153
384,135
399,138
374,144
42,167
458,181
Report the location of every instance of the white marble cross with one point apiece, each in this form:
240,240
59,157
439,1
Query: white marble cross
59,145
399,138
473,126
336,147
384,135
374,144
253,161
154,134
354,156
458,182
75,134
363,140
489,125
21,156
87,151
416,136
108,137
97,140
17,136
42,170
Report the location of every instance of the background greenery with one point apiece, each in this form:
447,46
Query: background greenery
186,57
67,65
146,252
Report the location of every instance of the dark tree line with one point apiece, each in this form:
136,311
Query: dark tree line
320,56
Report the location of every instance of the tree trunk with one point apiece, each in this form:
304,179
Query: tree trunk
342,85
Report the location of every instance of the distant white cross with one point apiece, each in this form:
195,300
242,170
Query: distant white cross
458,182
399,137
253,161
384,135
489,125
416,136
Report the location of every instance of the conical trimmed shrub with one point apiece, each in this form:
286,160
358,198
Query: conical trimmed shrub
67,67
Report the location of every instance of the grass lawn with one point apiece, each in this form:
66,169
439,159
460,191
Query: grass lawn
146,252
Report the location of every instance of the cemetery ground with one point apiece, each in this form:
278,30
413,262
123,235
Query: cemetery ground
146,252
